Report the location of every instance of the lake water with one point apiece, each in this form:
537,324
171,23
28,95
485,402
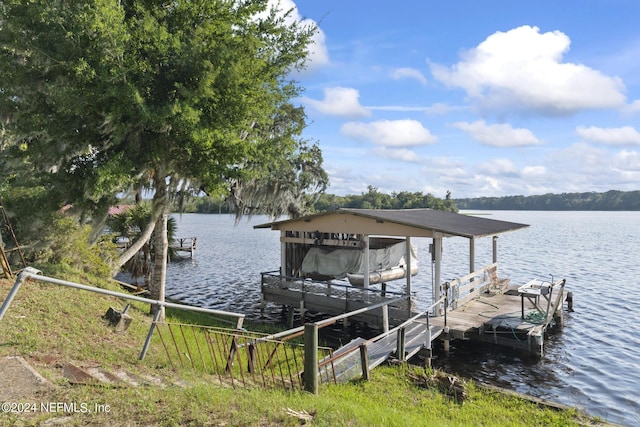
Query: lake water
593,363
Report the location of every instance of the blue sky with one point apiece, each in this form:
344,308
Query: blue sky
480,98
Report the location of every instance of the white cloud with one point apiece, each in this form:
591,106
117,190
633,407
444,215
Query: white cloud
625,135
390,133
408,73
500,167
318,53
633,107
402,154
523,69
339,101
498,135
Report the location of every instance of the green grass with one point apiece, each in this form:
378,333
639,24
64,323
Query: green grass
48,321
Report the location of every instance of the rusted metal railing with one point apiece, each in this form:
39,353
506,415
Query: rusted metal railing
236,357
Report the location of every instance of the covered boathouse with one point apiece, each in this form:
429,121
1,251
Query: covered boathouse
340,261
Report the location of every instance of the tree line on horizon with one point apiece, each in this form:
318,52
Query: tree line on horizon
613,200
324,202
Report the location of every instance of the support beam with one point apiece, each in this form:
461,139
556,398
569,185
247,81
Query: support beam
437,281
407,256
283,254
472,255
365,239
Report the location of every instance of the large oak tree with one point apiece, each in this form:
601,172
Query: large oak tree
104,96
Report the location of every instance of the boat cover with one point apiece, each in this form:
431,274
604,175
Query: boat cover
337,262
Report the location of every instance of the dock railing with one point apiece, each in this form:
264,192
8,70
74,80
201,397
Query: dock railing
465,288
342,295
313,367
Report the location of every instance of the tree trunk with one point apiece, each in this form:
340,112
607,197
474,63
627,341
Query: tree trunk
161,244
144,237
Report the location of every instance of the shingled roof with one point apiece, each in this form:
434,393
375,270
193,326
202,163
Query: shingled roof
447,223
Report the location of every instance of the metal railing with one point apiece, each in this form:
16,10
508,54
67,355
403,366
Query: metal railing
30,273
236,358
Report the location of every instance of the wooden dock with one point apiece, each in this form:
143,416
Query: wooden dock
511,318
184,244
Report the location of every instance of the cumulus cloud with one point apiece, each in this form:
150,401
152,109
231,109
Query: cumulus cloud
390,133
402,154
498,135
499,167
523,69
633,107
408,73
318,53
339,101
625,135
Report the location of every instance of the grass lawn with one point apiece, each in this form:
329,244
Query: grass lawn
50,326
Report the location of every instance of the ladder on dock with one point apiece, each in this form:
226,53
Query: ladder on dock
6,232
410,339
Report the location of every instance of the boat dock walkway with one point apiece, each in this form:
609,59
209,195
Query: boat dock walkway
348,362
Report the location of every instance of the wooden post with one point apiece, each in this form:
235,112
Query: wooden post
385,318
472,256
290,316
437,258
407,256
283,253
365,261
364,360
495,250
400,347
310,379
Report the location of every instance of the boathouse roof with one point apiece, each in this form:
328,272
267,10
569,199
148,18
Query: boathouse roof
397,222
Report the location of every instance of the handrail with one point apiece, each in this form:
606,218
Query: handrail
385,334
459,280
334,319
32,273
276,274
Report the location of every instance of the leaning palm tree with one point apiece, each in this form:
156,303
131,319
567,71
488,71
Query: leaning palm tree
129,225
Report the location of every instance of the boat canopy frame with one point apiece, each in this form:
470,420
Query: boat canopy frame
360,224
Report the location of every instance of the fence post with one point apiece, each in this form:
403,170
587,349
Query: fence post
29,271
310,379
400,353
156,316
385,318
364,360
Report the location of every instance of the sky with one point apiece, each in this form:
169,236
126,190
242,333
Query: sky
479,98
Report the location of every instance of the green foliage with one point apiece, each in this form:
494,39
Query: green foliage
68,245
106,96
592,201
373,199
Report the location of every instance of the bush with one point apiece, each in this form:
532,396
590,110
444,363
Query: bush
67,244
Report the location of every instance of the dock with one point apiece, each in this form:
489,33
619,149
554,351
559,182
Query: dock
512,317
184,244
320,254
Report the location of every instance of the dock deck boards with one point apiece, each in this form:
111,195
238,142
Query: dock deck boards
503,318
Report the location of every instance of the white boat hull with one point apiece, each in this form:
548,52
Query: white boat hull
381,276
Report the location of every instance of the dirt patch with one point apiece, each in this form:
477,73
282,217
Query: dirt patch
19,382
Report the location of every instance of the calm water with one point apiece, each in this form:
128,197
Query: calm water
593,363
